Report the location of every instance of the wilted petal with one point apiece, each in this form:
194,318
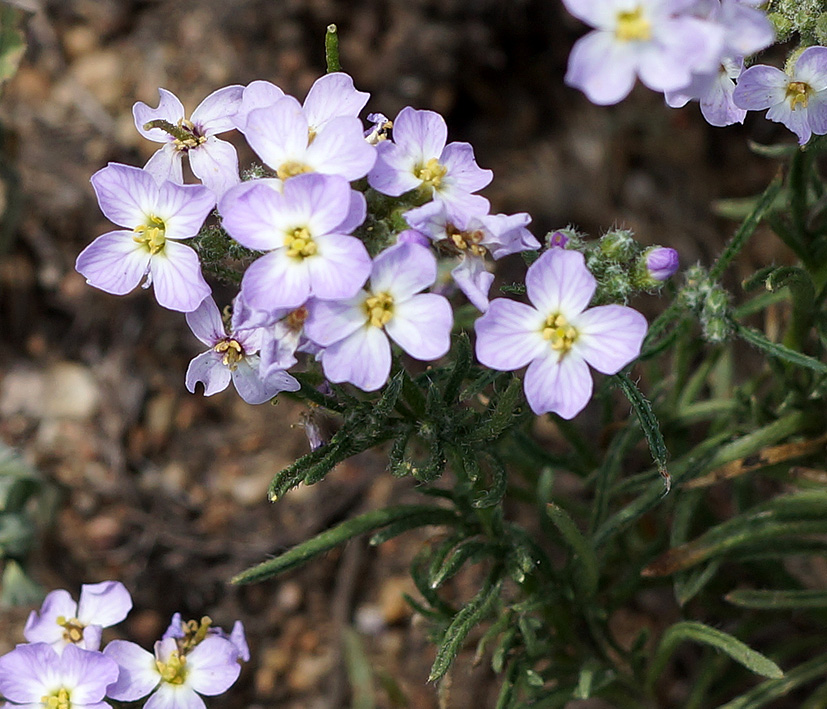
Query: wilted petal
562,386
509,335
559,282
256,390
138,674
208,369
215,163
104,604
474,281
114,262
422,326
363,359
609,337
170,109
177,279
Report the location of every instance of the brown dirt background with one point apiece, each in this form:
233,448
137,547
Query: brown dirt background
165,491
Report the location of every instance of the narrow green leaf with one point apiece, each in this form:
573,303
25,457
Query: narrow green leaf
469,616
359,671
583,551
499,482
434,516
777,600
331,538
471,551
703,634
504,414
759,340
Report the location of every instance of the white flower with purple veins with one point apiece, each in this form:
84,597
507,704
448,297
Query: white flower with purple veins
62,622
556,336
35,675
157,216
306,231
471,238
286,140
798,100
648,39
355,332
233,356
176,674
418,159
213,161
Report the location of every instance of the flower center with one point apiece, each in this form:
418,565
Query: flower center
232,351
300,244
379,309
188,136
798,92
295,319
466,240
291,168
59,699
559,333
632,26
194,633
174,670
431,173
151,235
72,629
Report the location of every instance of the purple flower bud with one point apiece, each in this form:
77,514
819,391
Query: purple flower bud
661,262
557,239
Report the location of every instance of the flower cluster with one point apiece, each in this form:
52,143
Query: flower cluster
62,666
329,278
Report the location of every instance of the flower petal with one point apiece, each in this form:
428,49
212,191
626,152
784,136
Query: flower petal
276,280
609,337
339,268
126,194
28,672
278,133
560,385
215,163
176,276
333,95
114,262
183,208
363,359
403,270
87,674
559,282
420,134
322,202
257,390
166,164
172,696
422,326
393,172
340,148
104,604
42,626
138,675
602,68
209,369
212,666
169,109
206,323
509,335
214,114
257,94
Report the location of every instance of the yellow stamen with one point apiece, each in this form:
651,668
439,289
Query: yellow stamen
379,308
59,699
559,333
431,173
467,240
151,235
300,244
174,670
798,92
291,168
72,629
233,353
193,140
632,26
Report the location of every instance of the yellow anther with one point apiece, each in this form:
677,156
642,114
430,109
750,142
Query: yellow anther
379,309
798,92
291,168
192,140
559,333
233,353
300,243
295,319
311,135
151,235
467,240
60,699
431,173
174,670
632,26
72,629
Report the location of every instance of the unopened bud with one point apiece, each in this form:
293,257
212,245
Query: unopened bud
656,265
619,245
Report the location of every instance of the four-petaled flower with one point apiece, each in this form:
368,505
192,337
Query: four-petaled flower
556,336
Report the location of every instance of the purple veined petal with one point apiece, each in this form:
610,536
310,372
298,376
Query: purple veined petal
278,351
474,281
166,164
319,202
333,95
92,636
356,214
183,208
562,386
172,696
329,322
363,359
254,215
559,282
811,67
114,262
206,323
460,206
177,279
169,109
88,674
42,626
138,675
609,337
29,672
276,280
238,191
717,104
208,369
215,113
797,120
431,219
212,666
126,194
760,87
104,604
393,172
422,326
249,385
509,335
215,163
602,68
339,268
817,113
403,270
412,236
463,171
257,94
278,133
339,148
420,134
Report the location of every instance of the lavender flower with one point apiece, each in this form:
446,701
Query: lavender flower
355,332
213,161
62,622
305,229
639,38
660,263
233,355
798,99
714,92
157,216
556,336
418,158
35,675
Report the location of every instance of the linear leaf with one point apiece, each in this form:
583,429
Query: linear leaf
773,689
777,599
583,551
760,341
